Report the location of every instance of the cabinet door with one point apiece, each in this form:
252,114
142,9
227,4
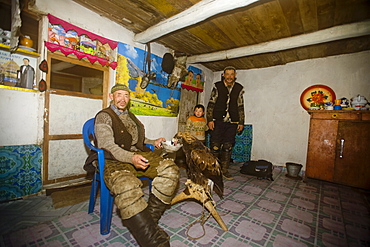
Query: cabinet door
353,154
321,149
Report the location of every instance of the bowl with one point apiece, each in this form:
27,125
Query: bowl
169,147
314,108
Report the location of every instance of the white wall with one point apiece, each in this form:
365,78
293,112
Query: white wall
76,14
14,131
21,117
272,94
272,101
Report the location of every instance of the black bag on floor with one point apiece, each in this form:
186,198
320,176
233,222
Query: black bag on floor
262,169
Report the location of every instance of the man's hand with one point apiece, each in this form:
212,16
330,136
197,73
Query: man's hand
158,142
211,125
140,161
240,127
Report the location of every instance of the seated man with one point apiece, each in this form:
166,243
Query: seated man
122,135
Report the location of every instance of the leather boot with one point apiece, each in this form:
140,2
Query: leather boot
215,149
146,232
156,207
225,160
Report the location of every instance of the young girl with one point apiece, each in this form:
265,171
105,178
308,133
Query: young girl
197,125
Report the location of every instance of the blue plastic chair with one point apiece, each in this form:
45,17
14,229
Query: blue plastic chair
106,198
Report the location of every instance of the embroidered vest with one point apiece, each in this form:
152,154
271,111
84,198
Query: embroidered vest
219,111
121,136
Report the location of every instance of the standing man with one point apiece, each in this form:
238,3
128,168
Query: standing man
225,116
122,135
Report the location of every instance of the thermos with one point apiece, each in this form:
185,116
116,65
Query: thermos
337,105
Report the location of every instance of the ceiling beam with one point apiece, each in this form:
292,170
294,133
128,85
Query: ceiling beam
331,34
202,10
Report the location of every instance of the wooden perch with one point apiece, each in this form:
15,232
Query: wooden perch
197,192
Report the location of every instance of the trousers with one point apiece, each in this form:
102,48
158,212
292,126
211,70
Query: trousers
121,179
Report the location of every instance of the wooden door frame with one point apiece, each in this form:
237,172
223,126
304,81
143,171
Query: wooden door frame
49,91
183,114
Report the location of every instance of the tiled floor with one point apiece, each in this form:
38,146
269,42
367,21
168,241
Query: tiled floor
284,212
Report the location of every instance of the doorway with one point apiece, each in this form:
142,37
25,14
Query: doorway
74,94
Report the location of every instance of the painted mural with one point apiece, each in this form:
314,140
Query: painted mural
150,94
194,80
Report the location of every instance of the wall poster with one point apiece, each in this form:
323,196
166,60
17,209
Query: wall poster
194,79
14,68
150,94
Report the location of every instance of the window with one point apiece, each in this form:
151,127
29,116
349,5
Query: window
77,78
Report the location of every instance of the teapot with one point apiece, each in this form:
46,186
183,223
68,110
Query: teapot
358,102
345,102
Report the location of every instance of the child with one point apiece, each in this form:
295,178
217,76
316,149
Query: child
197,125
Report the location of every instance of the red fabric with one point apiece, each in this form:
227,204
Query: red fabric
68,26
79,54
192,88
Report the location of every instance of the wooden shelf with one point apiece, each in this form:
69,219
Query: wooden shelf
19,89
19,50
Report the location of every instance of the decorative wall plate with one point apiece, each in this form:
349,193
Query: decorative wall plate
317,94
43,66
42,85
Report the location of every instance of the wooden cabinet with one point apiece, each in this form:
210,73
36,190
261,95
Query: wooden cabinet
339,147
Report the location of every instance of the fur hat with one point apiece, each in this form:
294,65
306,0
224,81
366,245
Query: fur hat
119,87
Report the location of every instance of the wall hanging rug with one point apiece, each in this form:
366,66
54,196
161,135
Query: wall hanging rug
243,144
20,171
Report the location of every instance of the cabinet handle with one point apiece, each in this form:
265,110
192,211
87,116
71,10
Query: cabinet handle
341,148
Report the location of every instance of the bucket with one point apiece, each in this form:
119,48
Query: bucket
293,169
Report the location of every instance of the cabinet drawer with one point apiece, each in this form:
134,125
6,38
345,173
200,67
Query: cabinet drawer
366,116
336,115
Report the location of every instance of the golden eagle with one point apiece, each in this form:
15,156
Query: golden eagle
201,164
204,175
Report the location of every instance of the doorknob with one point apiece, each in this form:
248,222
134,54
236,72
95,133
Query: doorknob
341,148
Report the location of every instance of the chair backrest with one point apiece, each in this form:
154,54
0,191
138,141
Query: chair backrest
89,132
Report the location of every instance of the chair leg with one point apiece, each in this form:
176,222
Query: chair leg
106,209
106,203
93,192
149,182
150,185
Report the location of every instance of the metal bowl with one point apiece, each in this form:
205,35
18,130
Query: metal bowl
169,147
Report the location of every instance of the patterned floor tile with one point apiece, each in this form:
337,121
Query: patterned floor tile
283,212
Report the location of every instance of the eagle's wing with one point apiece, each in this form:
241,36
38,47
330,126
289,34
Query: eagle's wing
205,166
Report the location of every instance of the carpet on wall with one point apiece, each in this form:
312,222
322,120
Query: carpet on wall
20,171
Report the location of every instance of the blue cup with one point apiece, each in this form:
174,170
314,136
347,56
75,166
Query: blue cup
337,107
